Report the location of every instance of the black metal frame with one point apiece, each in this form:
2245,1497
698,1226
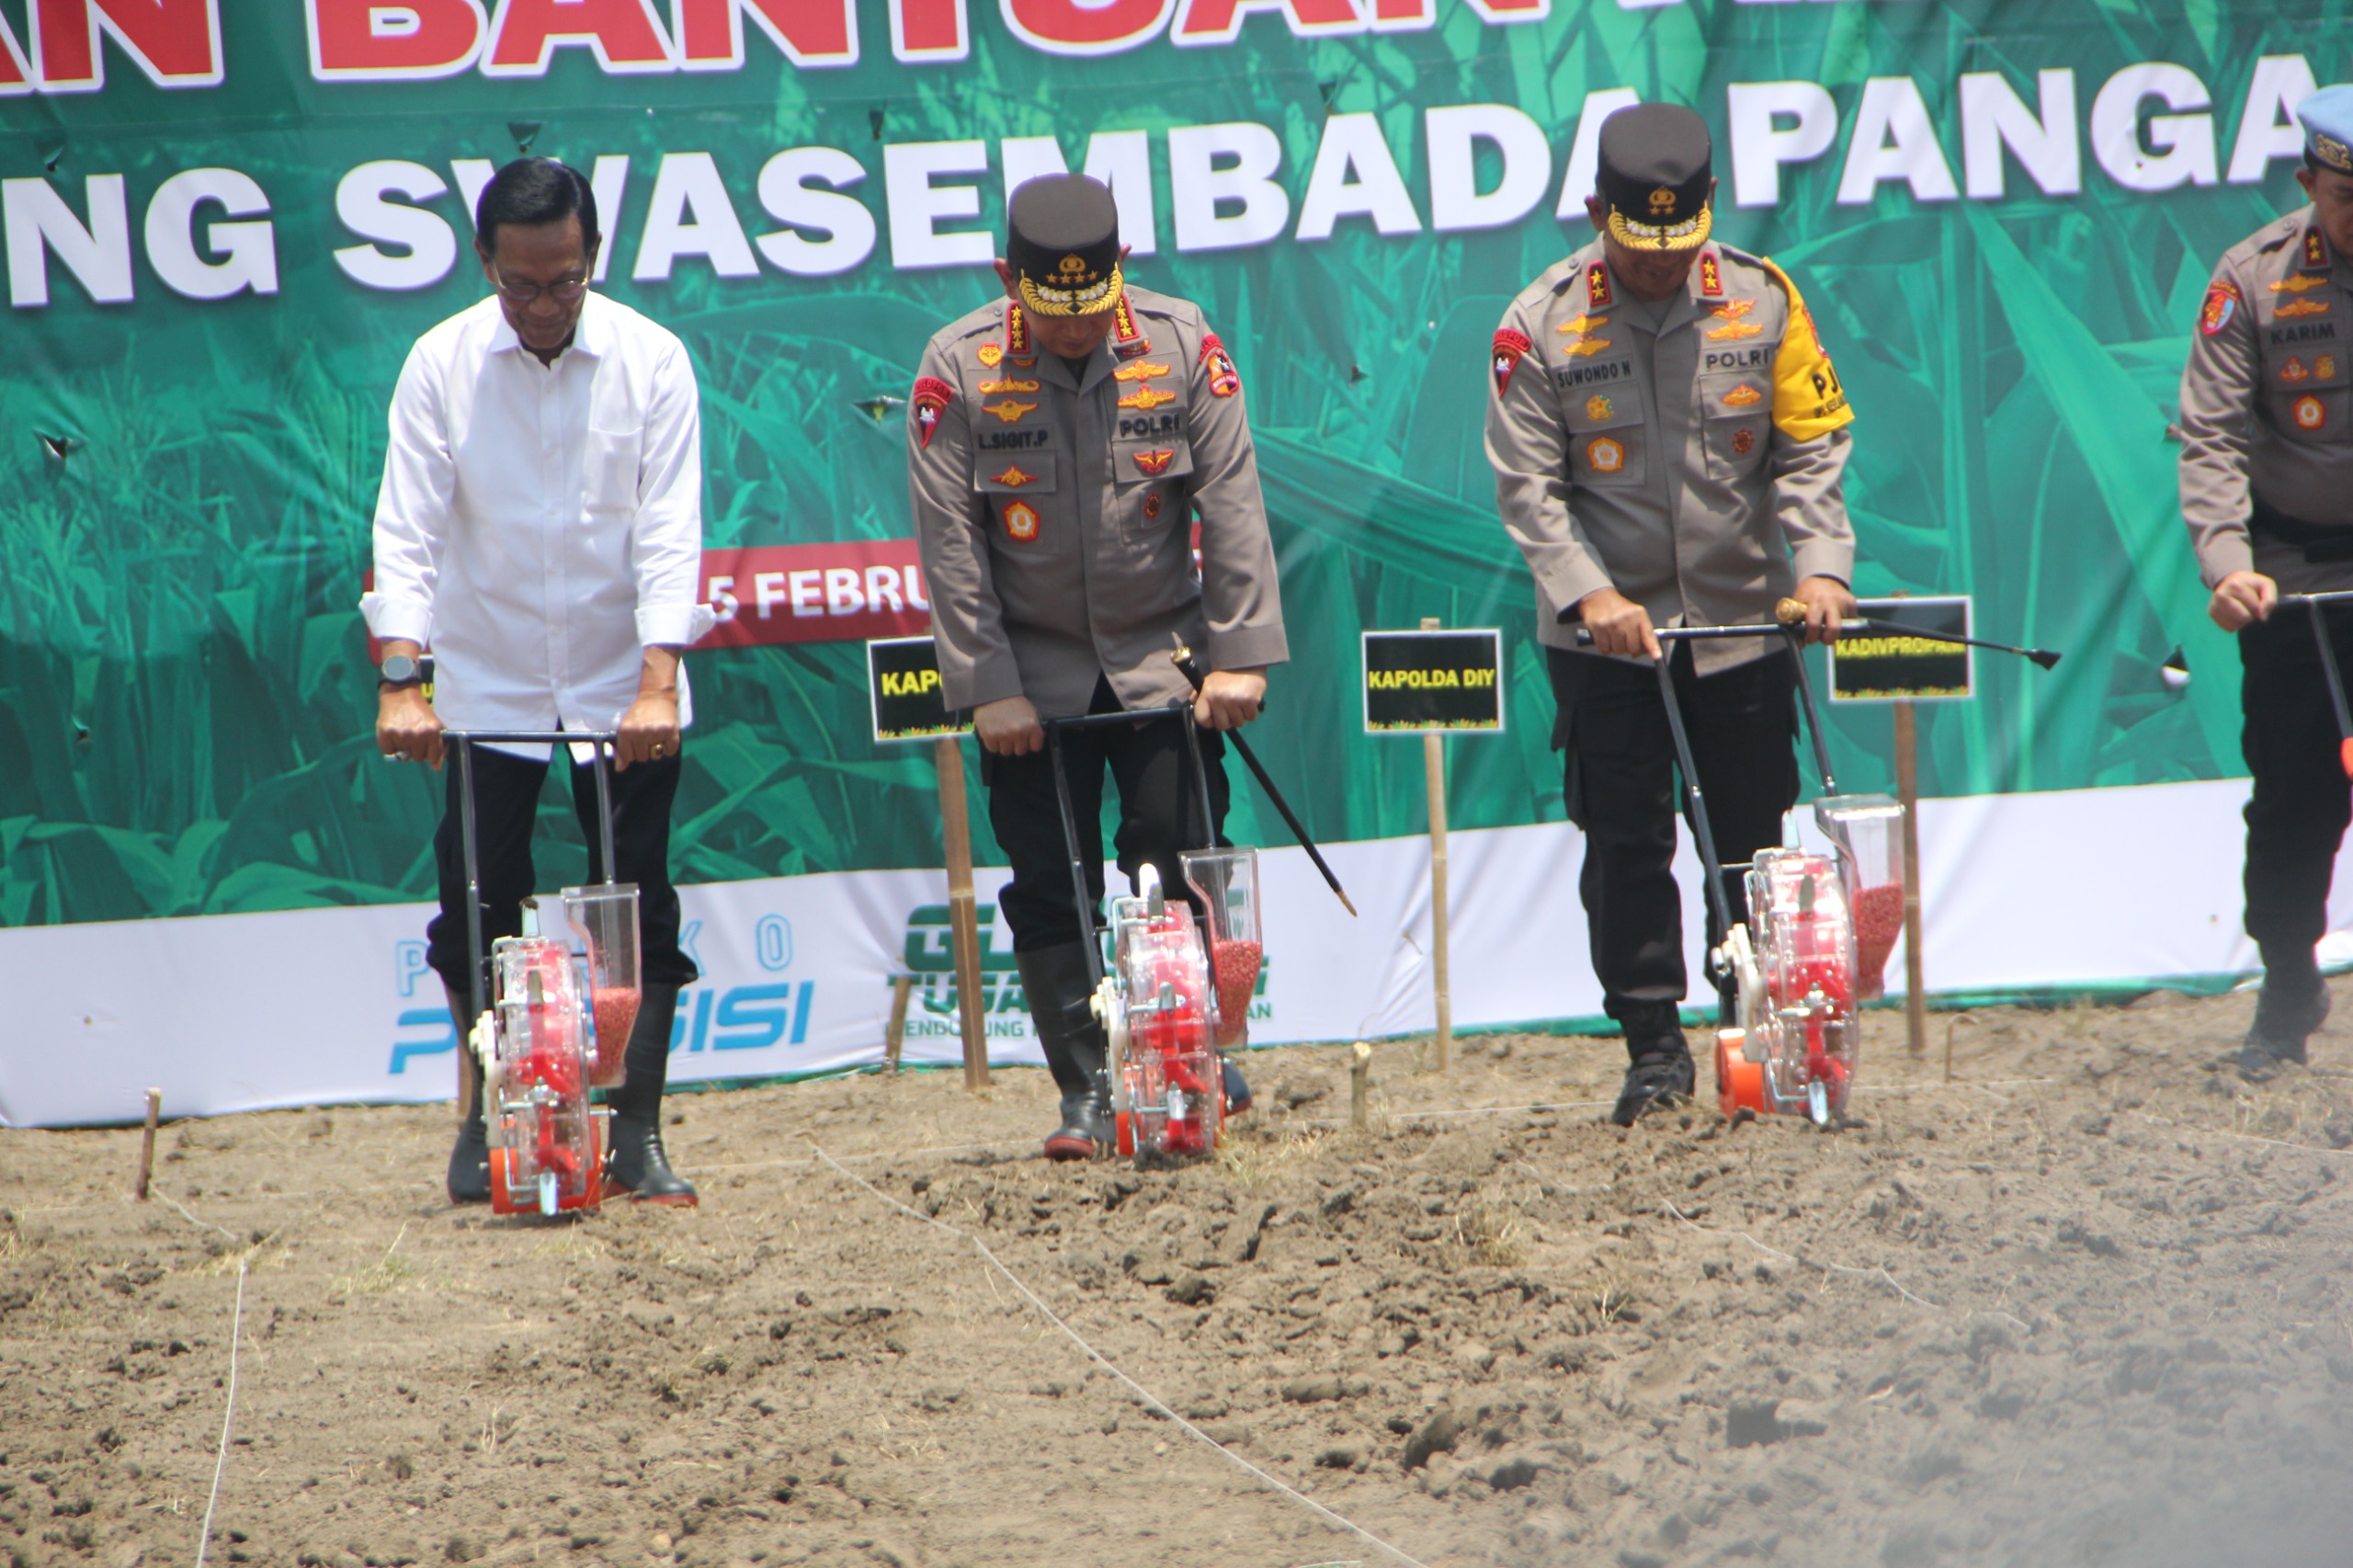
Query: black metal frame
464,741
2318,604
1178,710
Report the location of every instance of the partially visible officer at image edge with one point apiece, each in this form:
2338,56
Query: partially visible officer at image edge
540,526
2267,488
1669,440
1061,442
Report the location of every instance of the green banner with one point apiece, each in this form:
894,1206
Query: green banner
227,220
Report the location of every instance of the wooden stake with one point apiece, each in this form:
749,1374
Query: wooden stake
1359,1083
147,1146
963,911
896,1038
1434,770
1907,790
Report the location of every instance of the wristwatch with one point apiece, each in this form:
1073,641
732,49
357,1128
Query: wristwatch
398,670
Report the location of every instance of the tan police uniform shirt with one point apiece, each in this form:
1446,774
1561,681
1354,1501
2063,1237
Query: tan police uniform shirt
2267,405
1692,462
1054,514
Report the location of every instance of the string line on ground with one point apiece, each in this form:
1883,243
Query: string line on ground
228,1411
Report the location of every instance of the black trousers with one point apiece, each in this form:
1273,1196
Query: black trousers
1160,815
1622,791
507,798
2297,815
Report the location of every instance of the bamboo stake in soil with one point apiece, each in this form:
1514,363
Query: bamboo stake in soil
147,1146
964,912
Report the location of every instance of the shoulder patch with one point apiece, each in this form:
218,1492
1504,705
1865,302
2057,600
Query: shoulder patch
930,400
1807,400
1510,344
1224,380
2221,303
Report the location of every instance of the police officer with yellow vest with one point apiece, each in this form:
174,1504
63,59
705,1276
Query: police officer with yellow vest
2267,488
1062,441
1669,440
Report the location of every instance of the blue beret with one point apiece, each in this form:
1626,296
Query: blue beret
2329,128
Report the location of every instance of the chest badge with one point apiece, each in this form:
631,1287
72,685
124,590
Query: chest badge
1010,412
2325,367
1021,521
2301,283
1147,398
1585,348
1742,396
1735,330
2294,309
1733,310
1154,463
1141,370
1743,442
2293,371
1599,408
990,354
1579,326
1013,477
1604,455
990,388
1151,507
2310,413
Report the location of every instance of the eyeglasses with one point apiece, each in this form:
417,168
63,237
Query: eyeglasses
563,292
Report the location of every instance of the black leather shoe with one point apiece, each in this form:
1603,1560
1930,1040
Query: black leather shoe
470,1163
641,1166
1653,1083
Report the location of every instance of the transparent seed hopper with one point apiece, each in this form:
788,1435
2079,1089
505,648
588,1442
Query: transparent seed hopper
1227,881
1165,1088
604,917
1869,831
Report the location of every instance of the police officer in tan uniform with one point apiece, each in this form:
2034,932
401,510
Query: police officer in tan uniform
2267,487
1062,443
1669,440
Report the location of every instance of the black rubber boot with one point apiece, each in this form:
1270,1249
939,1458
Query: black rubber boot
2292,1003
1660,1073
639,1165
469,1179
1061,1006
1237,1088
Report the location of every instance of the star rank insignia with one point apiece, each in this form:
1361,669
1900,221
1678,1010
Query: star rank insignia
2315,249
1009,413
1712,276
1013,477
1154,463
1597,286
1128,340
1147,398
930,400
1509,346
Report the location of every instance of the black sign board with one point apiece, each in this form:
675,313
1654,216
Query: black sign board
903,674
1433,680
1882,664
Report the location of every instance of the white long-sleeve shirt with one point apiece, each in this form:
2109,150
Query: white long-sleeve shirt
540,525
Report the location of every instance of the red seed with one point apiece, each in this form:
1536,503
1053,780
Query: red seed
1879,921
616,1016
1237,965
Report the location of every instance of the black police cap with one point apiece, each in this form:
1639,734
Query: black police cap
1063,242
1656,165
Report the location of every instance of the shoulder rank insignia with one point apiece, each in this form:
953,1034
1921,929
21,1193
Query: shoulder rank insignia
989,354
1224,380
930,399
2295,308
1154,463
1597,286
2300,283
1510,344
1733,310
1579,326
1734,329
1742,396
1585,348
990,388
2294,371
1711,277
1127,339
1017,331
1015,475
1021,521
1147,398
2310,413
1010,412
2315,249
1141,370
2221,304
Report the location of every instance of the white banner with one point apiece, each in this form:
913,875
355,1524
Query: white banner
229,1013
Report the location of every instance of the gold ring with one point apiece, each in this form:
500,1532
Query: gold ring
657,748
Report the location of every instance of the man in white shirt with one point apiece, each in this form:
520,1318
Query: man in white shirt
541,528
